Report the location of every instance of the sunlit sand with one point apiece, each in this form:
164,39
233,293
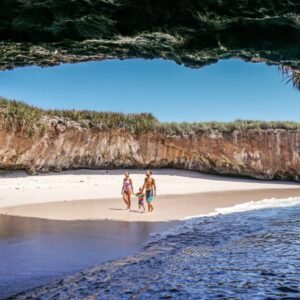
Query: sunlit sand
96,195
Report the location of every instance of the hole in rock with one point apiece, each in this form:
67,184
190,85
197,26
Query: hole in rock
229,90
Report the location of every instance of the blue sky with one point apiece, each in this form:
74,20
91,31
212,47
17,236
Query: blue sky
224,91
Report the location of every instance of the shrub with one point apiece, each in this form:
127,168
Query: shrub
19,116
29,120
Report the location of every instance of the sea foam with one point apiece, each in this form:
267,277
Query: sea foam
252,205
264,208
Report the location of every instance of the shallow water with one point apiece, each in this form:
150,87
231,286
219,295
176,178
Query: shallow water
35,251
244,255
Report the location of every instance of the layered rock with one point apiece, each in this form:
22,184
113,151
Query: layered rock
263,154
193,33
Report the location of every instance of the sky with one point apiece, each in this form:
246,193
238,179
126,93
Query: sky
226,91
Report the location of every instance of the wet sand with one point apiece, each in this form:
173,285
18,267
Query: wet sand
167,208
35,252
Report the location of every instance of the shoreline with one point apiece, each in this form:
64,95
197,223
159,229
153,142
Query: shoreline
84,244
168,208
45,251
18,188
137,232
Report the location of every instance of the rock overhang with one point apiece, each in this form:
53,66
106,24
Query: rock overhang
194,33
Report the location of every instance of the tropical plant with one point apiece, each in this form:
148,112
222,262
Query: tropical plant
26,119
291,76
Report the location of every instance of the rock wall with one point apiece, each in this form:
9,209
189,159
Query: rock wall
263,154
190,32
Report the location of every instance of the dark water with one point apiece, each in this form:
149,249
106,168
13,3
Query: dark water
250,255
35,252
254,255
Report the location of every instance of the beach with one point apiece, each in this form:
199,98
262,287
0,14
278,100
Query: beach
166,208
96,194
251,244
64,223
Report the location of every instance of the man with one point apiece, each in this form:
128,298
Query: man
150,187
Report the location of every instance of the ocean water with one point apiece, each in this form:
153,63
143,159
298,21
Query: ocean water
249,251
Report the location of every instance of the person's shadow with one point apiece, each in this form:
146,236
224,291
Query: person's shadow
120,209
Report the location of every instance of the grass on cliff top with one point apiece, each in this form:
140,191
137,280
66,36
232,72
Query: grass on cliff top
27,119
20,117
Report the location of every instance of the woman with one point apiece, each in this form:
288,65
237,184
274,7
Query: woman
127,190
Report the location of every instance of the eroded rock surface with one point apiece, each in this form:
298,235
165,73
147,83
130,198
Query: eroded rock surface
264,154
193,33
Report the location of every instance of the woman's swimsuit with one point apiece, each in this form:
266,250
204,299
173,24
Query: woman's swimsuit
127,186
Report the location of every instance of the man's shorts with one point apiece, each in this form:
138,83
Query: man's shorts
149,196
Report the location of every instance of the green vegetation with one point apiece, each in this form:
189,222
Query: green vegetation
225,127
21,117
291,76
29,120
295,79
136,123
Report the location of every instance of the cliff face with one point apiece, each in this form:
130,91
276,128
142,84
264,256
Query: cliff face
264,154
190,32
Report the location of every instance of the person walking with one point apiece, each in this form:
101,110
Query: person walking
127,190
150,187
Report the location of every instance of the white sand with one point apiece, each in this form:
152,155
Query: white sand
17,188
